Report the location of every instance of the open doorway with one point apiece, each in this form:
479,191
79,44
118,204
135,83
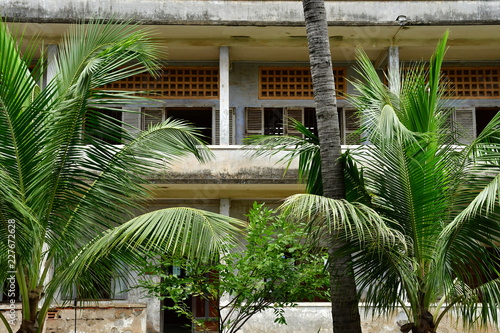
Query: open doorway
483,117
172,321
199,117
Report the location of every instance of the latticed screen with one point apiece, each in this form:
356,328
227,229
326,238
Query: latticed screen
174,83
293,82
473,82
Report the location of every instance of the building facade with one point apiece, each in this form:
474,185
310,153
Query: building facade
239,68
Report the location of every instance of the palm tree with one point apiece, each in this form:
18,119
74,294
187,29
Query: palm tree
441,197
65,192
345,313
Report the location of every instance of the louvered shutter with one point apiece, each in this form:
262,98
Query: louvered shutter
216,127
132,117
297,114
152,116
254,121
232,126
465,123
351,125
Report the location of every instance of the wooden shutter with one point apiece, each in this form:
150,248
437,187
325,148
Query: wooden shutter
465,123
132,117
254,121
297,114
216,127
152,116
351,125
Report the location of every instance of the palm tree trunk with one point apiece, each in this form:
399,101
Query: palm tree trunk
345,313
31,325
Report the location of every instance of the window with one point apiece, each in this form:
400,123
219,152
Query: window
274,121
206,119
294,82
102,292
467,123
103,289
174,83
97,123
473,82
483,117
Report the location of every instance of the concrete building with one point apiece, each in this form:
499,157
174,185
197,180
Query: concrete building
239,68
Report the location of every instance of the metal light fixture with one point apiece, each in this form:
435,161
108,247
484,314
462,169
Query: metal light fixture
402,20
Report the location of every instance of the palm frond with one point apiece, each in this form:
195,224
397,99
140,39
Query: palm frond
191,233
291,147
356,222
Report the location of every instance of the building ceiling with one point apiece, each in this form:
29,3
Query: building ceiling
282,43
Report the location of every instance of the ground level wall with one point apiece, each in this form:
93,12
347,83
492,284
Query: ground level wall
304,318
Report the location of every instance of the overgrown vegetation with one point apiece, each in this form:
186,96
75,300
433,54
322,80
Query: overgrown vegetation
276,269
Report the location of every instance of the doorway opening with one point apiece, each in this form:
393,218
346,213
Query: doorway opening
483,117
199,117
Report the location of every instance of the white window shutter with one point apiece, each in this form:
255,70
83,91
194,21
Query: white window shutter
254,121
152,116
465,123
297,114
216,126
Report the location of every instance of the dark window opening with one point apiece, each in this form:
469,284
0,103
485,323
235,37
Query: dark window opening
273,121
198,117
96,125
310,120
483,117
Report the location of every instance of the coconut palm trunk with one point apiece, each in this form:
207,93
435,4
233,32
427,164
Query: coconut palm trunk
345,313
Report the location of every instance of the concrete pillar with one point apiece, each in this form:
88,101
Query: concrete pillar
52,70
224,95
224,206
393,64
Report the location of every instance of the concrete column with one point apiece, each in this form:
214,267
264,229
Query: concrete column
224,206
224,95
393,64
52,70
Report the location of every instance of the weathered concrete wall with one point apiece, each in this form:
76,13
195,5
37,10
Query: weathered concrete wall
100,318
244,12
112,318
316,317
11,313
230,165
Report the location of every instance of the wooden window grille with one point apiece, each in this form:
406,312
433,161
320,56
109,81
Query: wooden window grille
294,82
473,82
174,83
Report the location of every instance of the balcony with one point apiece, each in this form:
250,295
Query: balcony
233,173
